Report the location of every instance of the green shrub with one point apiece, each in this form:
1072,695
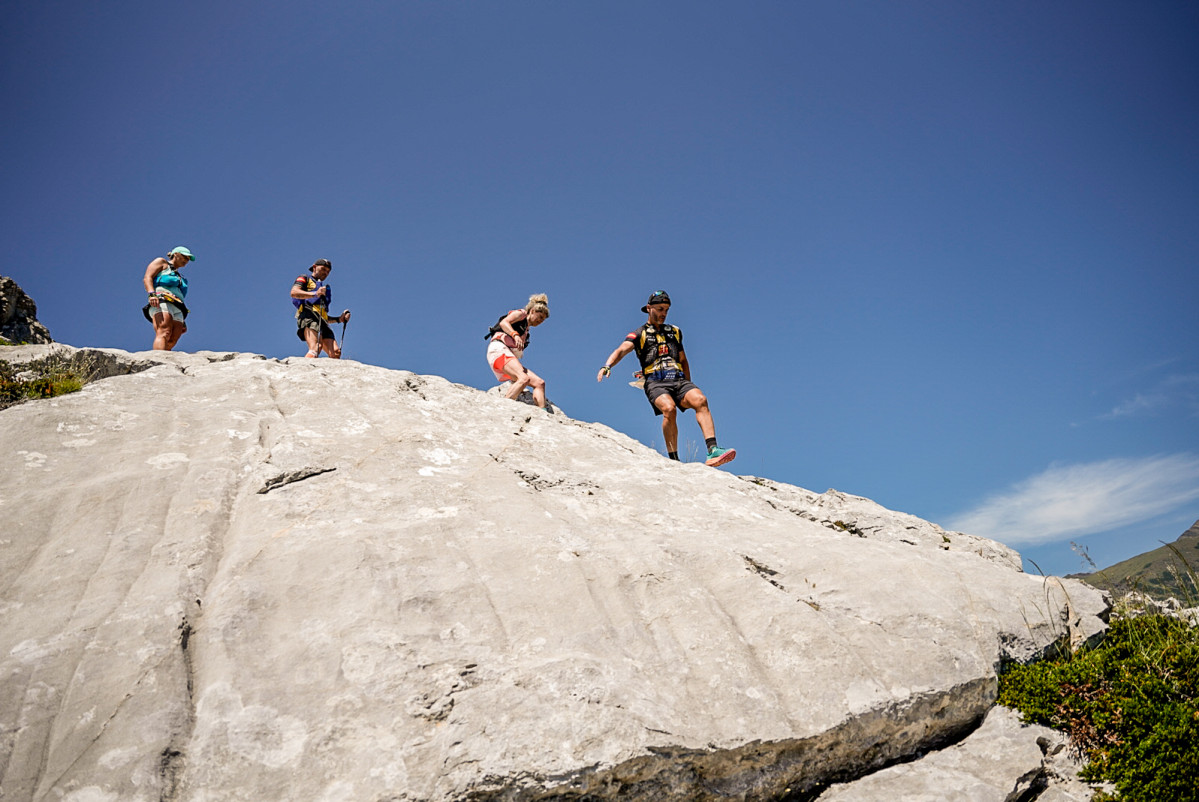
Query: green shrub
52,375
1130,706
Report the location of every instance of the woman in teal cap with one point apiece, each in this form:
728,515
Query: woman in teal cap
167,288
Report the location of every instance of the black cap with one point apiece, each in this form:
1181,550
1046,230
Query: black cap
659,297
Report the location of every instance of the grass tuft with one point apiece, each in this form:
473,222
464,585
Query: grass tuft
55,374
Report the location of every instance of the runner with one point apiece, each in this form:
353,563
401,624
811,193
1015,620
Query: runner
509,338
166,288
311,296
668,386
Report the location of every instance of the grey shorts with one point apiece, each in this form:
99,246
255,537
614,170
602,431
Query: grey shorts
676,388
307,319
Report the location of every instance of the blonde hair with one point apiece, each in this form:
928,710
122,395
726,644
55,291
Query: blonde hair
538,303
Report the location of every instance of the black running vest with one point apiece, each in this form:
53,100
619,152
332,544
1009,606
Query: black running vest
521,327
658,349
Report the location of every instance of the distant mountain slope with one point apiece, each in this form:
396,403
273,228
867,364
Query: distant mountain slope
1159,573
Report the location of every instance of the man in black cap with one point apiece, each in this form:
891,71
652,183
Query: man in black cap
667,375
310,295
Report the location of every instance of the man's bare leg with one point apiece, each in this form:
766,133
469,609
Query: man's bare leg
313,338
695,399
670,422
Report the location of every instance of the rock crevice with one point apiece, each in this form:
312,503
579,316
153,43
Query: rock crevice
794,770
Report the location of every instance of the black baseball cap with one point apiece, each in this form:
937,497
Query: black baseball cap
659,297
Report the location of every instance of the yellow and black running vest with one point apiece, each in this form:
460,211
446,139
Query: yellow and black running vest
319,306
658,350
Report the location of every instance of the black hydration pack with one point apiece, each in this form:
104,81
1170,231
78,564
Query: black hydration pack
521,327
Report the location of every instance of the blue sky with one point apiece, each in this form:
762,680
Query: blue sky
940,254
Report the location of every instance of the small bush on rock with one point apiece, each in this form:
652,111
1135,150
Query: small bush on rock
52,375
1130,706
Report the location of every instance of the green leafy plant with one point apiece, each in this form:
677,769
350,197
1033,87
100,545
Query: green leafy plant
1130,706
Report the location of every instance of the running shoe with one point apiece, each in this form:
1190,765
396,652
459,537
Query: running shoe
719,456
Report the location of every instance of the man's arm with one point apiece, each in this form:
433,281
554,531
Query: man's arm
301,294
621,351
683,364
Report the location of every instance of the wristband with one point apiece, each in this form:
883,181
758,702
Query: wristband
607,369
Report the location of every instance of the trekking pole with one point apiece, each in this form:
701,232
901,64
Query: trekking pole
344,323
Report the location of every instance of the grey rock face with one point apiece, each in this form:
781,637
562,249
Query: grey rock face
863,518
18,316
1002,760
525,397
230,578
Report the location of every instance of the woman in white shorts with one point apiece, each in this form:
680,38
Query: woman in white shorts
165,289
508,339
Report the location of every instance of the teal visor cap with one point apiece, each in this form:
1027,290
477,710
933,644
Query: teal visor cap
185,252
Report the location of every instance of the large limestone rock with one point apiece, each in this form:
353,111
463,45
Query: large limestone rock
18,316
230,578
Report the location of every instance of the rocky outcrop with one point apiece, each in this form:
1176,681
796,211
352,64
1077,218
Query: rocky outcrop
1134,604
18,316
227,577
1002,761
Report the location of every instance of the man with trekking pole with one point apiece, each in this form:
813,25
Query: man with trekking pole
311,297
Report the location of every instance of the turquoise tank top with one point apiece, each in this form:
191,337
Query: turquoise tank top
171,281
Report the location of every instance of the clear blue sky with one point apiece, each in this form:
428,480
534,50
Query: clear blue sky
940,254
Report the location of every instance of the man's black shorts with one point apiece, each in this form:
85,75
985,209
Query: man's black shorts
677,388
307,319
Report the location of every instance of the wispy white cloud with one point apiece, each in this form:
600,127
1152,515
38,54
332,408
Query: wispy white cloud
1180,389
1074,500
1141,402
